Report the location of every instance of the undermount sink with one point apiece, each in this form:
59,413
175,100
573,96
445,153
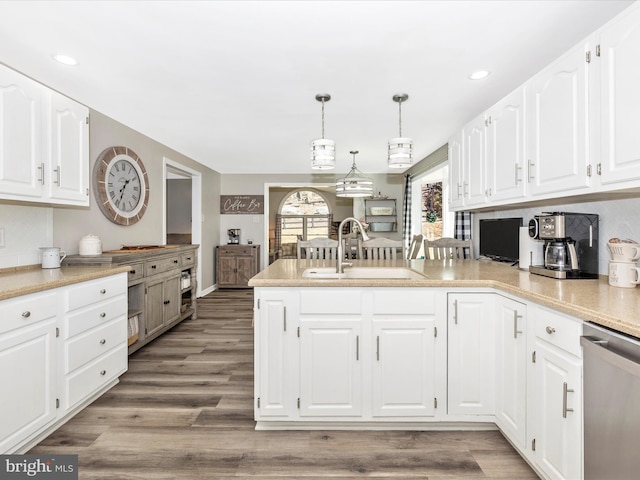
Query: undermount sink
364,272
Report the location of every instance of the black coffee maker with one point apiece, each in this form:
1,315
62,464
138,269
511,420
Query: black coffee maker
570,244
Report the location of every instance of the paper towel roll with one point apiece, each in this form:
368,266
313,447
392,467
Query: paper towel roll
531,251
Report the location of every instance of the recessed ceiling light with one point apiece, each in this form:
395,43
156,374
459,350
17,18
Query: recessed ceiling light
65,59
479,75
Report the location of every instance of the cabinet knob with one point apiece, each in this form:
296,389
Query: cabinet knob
102,315
550,330
103,341
132,272
175,261
167,302
103,372
26,314
153,267
103,291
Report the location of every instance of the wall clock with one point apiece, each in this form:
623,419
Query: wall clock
121,185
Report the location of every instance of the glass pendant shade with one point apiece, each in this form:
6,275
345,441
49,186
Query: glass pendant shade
400,152
323,151
355,183
323,154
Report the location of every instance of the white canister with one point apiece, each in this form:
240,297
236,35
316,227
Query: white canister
52,256
623,274
90,245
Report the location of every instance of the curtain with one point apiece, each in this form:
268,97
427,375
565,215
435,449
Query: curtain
406,215
278,234
463,229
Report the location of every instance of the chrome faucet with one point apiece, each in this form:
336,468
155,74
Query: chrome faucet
340,264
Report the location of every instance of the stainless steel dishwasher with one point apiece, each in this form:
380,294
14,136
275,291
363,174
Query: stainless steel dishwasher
611,404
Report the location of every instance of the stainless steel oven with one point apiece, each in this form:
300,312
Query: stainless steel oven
611,404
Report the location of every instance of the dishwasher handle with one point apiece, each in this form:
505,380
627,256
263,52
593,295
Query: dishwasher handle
602,349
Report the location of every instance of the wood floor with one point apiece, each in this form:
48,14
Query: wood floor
184,410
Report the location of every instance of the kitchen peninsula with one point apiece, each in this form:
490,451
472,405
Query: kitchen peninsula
470,344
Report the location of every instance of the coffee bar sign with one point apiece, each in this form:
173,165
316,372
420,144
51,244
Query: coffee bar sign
243,204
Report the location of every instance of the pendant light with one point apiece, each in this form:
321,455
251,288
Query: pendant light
354,184
323,151
400,148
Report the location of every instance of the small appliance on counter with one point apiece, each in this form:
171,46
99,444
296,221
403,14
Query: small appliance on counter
52,256
234,236
570,247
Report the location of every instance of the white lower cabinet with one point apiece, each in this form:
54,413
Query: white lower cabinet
555,395
59,350
471,357
511,368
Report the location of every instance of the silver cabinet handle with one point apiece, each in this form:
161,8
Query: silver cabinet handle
459,189
57,172
515,324
41,168
357,347
26,314
378,348
103,341
565,391
518,167
550,330
455,312
284,317
530,167
465,189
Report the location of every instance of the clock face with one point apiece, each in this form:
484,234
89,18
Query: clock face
121,186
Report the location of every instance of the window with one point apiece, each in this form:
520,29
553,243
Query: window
303,215
430,216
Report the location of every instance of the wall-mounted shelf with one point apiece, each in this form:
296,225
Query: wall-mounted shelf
381,214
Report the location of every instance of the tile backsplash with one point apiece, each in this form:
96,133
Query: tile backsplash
618,218
26,229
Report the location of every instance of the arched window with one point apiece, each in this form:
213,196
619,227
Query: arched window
303,215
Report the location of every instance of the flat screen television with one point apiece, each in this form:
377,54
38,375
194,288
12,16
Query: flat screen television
500,239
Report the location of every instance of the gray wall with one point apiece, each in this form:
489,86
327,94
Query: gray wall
70,224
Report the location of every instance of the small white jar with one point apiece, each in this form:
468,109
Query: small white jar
90,245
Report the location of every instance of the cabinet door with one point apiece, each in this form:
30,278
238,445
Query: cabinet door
245,270
511,366
404,367
620,99
69,147
471,341
456,156
330,367
21,158
273,355
154,312
558,157
506,148
474,184
171,300
226,270
558,413
27,371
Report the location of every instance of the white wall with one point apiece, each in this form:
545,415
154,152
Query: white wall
618,218
26,229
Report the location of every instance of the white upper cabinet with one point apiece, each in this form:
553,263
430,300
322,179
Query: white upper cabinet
558,127
619,50
456,157
44,143
21,162
506,155
474,185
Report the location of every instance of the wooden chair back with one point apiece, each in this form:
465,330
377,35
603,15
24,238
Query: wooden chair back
317,249
447,248
379,249
415,246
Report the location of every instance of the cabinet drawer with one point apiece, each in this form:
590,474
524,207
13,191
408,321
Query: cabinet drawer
93,343
404,301
162,265
94,316
94,291
236,251
560,330
188,259
330,300
27,309
136,272
92,377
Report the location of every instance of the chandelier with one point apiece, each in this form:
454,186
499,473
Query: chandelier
323,151
355,183
400,151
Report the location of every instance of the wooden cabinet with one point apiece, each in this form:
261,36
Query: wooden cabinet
471,357
44,143
619,75
381,214
555,394
162,285
236,264
511,368
27,367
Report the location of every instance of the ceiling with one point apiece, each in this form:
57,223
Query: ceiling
232,84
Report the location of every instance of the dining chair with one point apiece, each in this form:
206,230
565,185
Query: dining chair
447,248
379,249
320,248
415,246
